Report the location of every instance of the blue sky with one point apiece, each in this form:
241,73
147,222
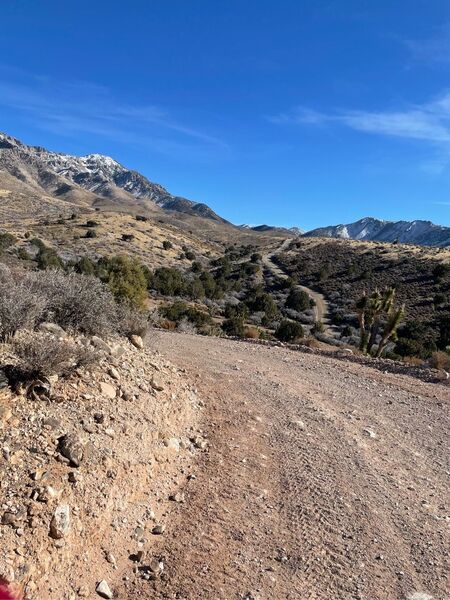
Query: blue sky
289,112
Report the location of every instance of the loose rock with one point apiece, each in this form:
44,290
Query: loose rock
60,524
72,448
103,589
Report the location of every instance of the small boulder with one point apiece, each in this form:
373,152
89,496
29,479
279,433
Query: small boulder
103,589
156,385
53,328
72,448
100,344
108,390
114,373
60,524
137,341
159,529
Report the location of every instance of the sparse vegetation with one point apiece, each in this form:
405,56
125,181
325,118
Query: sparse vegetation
289,331
379,319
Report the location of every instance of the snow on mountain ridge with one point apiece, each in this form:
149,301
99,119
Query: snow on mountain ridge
419,232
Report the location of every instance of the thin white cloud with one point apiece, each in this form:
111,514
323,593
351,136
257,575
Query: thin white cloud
429,122
433,49
68,107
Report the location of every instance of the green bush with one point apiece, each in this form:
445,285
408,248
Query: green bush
126,279
440,271
179,310
47,258
234,326
289,331
168,281
236,310
6,240
23,254
298,300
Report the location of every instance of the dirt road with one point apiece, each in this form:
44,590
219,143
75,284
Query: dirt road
321,305
323,480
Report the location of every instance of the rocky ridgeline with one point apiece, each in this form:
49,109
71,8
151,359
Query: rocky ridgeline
88,477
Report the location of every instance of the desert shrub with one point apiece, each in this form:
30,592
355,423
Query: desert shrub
131,321
260,301
141,218
91,223
196,267
179,310
47,258
125,278
251,333
23,254
289,331
168,281
439,299
127,237
20,307
85,266
236,310
186,326
189,255
318,327
440,271
74,302
443,324
415,339
6,240
440,360
167,245
90,234
195,289
255,257
43,355
347,331
298,300
234,326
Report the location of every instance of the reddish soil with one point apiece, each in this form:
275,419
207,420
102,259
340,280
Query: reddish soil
323,480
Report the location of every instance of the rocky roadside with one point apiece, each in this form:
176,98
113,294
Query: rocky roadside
89,477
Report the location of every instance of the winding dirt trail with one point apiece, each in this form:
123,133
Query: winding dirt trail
321,305
322,480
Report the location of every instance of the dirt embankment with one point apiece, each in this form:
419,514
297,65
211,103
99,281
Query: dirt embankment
323,479
86,477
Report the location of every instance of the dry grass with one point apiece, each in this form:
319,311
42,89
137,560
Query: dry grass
440,360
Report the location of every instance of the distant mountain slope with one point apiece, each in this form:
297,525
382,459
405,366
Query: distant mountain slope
422,233
85,178
274,228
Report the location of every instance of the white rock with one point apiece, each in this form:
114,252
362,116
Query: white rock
103,589
137,342
60,524
108,390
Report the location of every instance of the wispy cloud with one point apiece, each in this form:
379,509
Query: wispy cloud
68,107
433,49
429,122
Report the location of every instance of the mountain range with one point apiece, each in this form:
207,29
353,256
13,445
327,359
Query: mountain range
87,179
422,233
97,180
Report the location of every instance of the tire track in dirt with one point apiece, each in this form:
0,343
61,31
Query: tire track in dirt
323,480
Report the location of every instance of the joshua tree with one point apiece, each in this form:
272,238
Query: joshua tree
378,315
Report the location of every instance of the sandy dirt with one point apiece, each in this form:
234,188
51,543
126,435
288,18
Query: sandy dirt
323,480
